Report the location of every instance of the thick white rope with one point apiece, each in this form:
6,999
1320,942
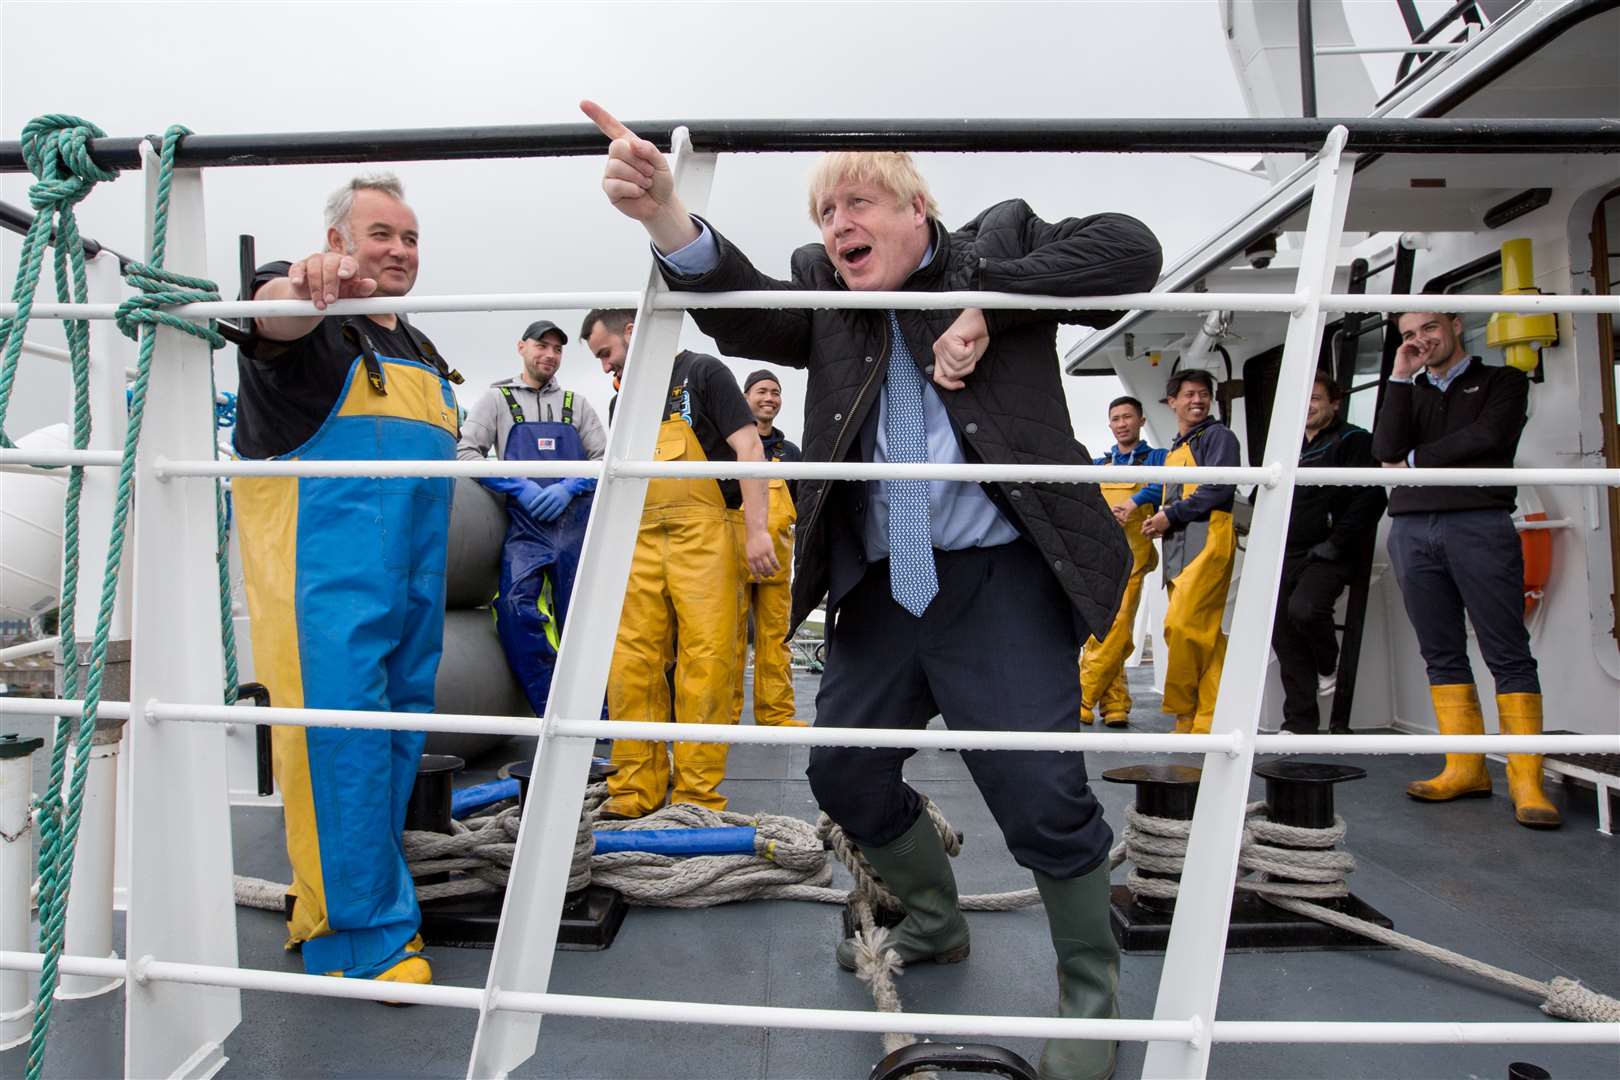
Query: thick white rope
790,863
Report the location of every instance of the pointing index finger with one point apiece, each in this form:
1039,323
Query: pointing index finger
605,122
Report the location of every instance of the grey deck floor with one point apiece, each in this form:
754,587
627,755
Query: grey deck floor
1461,875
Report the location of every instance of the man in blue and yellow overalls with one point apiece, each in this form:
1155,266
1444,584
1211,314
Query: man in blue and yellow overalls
345,576
1200,547
530,417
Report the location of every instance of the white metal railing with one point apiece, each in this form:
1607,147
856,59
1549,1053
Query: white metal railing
185,934
144,970
1266,476
1200,302
1358,50
1100,742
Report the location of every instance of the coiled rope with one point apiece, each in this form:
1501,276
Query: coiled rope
1317,872
56,150
790,863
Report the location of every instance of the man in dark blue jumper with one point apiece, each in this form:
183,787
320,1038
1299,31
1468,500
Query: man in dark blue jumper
1456,553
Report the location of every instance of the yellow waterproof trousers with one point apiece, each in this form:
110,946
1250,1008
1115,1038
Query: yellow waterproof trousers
771,602
681,608
1192,622
1102,663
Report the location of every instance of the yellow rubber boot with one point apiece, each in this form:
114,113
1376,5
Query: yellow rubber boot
1456,709
1087,714
1116,702
1520,714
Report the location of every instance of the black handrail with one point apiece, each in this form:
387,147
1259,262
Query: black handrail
1307,60
1213,135
1458,11
16,219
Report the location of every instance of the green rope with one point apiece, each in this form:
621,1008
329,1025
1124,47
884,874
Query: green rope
55,150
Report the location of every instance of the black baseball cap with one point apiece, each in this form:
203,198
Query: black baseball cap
542,327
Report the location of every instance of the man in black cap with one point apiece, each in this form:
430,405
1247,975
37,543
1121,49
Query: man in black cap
769,600
530,417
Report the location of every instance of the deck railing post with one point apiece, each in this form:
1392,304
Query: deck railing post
90,901
181,905
1197,946
545,846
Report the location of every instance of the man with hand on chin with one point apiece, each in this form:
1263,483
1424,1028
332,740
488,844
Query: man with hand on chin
954,598
1456,553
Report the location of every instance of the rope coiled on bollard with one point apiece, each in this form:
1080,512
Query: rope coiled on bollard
1317,872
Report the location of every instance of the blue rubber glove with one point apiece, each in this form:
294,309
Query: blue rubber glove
505,485
528,494
549,503
579,485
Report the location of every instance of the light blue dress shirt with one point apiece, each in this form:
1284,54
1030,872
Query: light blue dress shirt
961,515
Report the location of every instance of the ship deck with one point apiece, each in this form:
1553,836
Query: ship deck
1461,875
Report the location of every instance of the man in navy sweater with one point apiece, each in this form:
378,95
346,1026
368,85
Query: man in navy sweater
1455,551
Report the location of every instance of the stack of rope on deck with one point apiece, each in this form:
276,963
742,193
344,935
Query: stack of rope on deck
1289,866
1312,870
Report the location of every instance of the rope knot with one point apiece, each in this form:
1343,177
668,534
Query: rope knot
56,148
161,289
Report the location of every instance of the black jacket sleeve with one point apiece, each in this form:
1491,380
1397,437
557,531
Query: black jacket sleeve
1494,434
1100,255
1395,431
775,335
1361,507
1218,447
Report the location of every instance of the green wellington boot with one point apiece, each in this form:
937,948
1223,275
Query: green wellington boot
917,870
1087,971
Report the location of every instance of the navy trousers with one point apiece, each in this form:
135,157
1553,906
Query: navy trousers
1465,563
994,651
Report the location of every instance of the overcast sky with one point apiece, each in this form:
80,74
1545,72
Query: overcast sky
543,225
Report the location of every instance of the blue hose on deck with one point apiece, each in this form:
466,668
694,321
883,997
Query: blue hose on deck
466,800
727,841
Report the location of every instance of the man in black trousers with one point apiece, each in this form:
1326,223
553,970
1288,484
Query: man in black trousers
1330,534
966,600
1456,553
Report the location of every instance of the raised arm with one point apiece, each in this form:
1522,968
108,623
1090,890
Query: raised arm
692,255
323,278
1100,255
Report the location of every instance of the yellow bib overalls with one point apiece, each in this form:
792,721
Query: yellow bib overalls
1102,664
1198,562
681,609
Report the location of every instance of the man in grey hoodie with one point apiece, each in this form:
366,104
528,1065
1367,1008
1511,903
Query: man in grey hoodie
532,418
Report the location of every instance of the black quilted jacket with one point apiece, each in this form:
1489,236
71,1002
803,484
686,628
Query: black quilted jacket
1012,410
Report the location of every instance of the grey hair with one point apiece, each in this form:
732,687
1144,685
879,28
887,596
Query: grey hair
340,204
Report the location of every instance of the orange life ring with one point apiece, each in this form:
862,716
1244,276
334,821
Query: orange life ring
1537,547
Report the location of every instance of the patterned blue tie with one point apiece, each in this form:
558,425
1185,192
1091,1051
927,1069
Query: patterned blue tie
912,581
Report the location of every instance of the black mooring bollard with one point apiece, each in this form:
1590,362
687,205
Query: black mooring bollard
429,807
1166,791
521,770
1300,793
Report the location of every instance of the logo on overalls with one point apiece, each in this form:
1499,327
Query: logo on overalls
546,444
